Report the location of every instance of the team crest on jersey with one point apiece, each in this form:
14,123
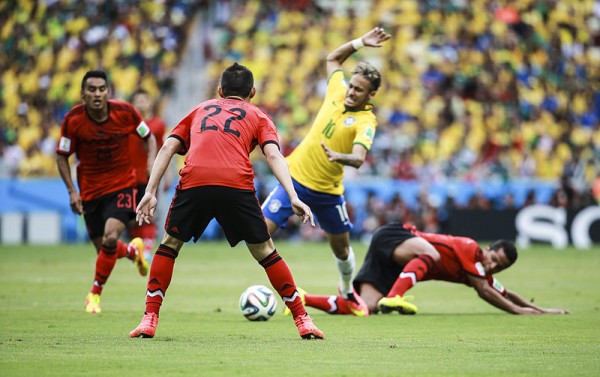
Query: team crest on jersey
369,133
143,130
480,268
274,206
349,121
64,145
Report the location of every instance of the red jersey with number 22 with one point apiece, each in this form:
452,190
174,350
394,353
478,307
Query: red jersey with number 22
218,136
102,148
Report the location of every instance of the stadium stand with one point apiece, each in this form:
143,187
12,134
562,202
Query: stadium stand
484,103
498,98
472,90
47,46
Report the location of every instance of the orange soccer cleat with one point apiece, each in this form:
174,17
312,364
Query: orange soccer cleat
307,328
147,328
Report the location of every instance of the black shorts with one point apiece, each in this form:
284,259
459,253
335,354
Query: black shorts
237,211
119,205
378,268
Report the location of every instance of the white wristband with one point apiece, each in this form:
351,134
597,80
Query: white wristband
358,43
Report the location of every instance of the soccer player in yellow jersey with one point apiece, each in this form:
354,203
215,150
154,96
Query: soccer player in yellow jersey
341,134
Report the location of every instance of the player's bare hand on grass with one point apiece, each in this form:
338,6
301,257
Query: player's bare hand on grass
535,311
529,311
375,37
302,211
556,311
146,208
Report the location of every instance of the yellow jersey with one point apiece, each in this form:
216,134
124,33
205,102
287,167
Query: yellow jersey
337,128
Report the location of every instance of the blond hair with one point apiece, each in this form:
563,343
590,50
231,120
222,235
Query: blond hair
369,72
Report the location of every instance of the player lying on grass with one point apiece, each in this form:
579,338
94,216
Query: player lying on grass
400,256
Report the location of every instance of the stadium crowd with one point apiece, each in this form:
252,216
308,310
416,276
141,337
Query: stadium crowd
46,48
480,90
472,90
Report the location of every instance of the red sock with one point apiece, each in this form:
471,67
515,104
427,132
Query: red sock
329,304
105,262
143,231
282,280
161,272
123,251
413,272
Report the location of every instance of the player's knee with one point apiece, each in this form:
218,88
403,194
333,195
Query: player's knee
413,248
110,240
340,245
370,296
418,246
434,254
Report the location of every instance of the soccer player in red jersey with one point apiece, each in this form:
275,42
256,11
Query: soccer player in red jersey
97,131
399,256
217,181
144,235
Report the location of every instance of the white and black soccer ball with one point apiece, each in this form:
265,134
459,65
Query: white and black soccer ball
258,303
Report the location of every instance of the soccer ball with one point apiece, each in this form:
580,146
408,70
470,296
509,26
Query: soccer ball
258,303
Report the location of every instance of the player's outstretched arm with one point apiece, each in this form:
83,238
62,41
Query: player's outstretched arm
279,167
147,206
494,297
373,38
354,159
520,301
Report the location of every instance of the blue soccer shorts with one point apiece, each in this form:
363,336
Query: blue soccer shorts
329,210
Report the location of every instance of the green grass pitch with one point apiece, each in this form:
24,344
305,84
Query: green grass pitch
44,330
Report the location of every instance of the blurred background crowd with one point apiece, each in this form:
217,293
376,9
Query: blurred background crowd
476,91
46,48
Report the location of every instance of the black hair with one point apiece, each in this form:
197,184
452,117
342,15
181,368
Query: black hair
98,74
509,248
237,80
